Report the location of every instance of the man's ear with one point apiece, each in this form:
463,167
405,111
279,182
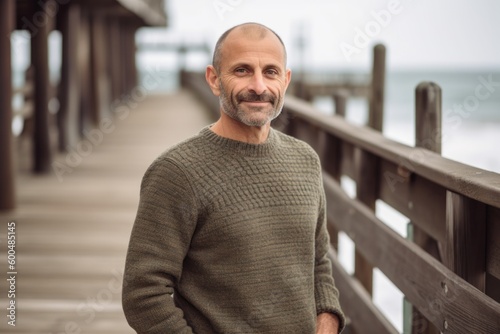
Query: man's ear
288,77
212,79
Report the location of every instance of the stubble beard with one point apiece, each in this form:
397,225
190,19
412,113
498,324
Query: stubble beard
254,116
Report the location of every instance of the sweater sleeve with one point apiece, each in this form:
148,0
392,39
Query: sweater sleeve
165,221
325,291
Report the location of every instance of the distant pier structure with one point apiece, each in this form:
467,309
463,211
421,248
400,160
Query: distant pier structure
98,67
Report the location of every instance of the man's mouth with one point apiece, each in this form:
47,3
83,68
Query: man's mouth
256,102
256,99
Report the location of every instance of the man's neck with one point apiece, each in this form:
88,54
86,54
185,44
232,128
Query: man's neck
235,130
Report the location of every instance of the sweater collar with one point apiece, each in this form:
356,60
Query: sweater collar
242,148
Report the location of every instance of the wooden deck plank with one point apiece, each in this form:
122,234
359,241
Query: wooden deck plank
72,233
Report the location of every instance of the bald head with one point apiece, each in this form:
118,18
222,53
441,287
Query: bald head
249,30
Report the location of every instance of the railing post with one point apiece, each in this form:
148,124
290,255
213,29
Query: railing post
428,136
40,61
428,116
376,111
7,190
465,249
331,154
367,163
366,192
340,102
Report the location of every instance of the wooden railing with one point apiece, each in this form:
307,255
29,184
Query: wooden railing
452,206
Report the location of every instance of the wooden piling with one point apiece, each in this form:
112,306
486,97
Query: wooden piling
376,111
428,116
129,61
428,136
114,58
69,86
7,191
100,83
84,60
40,60
340,102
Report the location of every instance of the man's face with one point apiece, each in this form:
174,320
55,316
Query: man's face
253,78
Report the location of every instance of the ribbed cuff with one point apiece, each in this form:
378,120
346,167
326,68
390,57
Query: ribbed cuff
329,303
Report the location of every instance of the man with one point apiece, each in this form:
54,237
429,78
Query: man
231,222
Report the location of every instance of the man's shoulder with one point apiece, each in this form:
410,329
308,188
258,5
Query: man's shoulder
288,142
183,153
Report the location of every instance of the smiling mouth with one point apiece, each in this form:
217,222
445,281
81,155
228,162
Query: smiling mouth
253,99
256,102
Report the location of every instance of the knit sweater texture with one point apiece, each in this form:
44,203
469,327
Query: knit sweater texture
230,237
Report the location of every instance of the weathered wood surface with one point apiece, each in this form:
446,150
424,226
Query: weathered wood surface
7,191
428,136
493,242
40,60
69,87
357,303
451,304
72,235
376,109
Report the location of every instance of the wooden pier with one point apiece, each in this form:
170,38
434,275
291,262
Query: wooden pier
72,231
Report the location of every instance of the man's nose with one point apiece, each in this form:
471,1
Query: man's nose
257,84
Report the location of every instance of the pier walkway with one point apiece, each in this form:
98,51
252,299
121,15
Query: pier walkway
72,231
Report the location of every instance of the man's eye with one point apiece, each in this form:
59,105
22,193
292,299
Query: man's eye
272,72
241,70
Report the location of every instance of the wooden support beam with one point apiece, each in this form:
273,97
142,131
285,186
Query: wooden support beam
69,86
7,174
40,60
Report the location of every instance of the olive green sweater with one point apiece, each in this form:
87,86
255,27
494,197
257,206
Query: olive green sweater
230,237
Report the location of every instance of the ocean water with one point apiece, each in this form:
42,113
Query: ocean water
470,123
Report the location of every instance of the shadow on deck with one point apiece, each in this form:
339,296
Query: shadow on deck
72,230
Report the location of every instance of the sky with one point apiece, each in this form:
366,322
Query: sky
423,34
